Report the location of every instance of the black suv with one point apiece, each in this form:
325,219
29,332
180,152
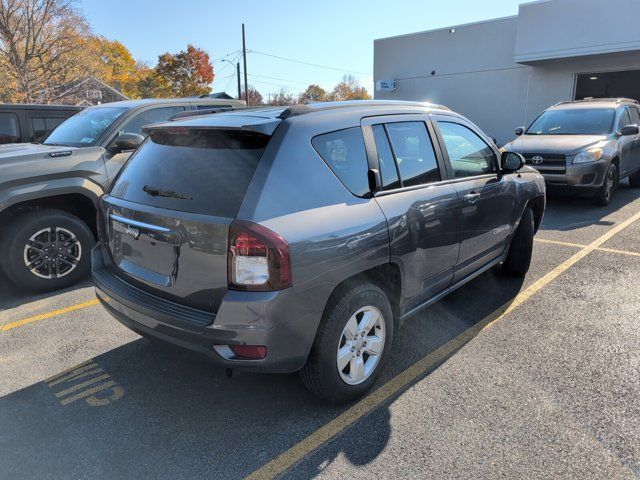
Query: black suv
31,123
299,239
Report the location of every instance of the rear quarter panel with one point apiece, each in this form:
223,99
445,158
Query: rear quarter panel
332,234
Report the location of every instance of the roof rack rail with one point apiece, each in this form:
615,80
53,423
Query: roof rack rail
301,109
605,99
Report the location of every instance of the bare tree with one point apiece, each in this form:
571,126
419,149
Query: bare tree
282,98
38,43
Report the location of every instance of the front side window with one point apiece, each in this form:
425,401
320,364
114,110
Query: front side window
150,117
573,121
9,130
468,153
414,153
625,119
635,116
85,127
343,151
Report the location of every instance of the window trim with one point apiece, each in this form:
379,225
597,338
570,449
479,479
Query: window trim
372,151
460,121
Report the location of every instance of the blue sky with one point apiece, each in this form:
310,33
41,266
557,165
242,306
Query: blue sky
331,33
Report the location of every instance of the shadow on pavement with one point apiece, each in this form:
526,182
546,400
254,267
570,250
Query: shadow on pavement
568,212
178,416
12,296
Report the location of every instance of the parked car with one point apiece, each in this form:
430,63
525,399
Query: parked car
585,146
48,191
299,239
22,123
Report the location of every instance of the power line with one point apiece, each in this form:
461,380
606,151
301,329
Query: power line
227,55
278,78
310,64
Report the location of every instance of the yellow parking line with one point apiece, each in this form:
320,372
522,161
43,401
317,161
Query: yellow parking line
44,316
316,439
556,242
578,245
615,250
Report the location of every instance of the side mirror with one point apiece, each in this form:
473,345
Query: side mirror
126,141
630,130
519,131
375,181
511,162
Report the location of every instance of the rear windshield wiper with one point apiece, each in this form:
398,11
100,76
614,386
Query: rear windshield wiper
158,192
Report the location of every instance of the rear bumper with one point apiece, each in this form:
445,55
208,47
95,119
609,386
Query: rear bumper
243,318
578,177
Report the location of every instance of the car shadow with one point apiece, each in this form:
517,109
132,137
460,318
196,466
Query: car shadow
566,212
12,296
179,416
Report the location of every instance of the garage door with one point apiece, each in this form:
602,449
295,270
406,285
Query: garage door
608,85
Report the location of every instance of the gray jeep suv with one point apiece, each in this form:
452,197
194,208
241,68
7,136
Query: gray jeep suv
585,146
279,240
48,191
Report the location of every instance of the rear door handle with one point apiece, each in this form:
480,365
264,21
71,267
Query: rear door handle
472,197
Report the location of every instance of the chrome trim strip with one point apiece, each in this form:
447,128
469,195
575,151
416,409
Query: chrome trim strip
135,223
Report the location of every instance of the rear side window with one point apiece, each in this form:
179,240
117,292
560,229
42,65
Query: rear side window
9,130
198,171
414,153
343,151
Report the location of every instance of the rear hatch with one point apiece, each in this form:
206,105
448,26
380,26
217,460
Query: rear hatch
166,219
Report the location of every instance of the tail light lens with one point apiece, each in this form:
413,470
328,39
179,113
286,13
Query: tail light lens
258,259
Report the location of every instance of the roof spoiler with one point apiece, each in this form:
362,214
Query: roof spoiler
195,113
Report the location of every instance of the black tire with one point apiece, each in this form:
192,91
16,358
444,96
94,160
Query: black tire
519,256
320,374
634,180
605,193
20,231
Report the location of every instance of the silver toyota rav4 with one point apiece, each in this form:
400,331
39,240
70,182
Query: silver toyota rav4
585,146
299,239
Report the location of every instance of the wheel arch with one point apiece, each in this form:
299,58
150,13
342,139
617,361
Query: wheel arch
79,204
386,276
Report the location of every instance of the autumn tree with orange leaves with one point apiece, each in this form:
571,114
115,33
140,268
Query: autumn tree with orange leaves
184,74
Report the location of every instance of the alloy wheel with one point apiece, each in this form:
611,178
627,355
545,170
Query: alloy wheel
361,345
52,252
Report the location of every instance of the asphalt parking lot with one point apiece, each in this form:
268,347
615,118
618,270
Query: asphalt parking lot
504,378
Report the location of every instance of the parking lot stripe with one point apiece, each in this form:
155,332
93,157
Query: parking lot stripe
556,242
316,439
44,316
615,250
578,245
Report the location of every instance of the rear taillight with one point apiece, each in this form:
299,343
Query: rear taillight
258,259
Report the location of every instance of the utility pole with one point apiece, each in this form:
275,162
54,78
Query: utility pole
239,87
244,59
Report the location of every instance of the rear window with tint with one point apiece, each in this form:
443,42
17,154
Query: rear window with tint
198,171
345,154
